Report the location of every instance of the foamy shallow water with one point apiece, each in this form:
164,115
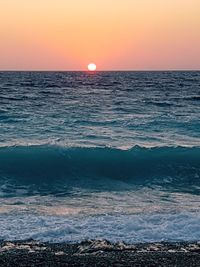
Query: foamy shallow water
131,228
140,216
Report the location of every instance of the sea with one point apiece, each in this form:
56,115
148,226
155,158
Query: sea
100,155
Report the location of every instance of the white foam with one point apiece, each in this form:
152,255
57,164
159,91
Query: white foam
128,228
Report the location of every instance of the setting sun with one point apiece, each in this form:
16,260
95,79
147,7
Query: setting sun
92,67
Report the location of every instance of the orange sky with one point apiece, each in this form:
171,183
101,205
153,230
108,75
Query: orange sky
114,34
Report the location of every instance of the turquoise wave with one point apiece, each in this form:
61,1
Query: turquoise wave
51,164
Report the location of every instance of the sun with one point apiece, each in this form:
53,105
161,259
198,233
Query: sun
92,67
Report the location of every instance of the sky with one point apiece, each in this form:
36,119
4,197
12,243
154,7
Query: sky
114,34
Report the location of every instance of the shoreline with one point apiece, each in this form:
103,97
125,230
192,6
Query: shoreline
100,253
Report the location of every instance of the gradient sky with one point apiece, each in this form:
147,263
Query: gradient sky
114,34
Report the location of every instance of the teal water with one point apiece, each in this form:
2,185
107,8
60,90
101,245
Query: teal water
112,155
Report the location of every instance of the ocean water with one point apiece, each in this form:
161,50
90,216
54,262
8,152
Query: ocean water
104,155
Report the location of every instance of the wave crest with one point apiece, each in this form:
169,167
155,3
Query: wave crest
176,166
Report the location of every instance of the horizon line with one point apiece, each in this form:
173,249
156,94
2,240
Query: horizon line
101,70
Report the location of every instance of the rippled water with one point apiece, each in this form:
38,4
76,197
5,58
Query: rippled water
117,109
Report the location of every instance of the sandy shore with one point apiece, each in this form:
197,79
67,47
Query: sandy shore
98,253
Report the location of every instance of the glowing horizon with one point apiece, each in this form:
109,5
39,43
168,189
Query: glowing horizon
115,34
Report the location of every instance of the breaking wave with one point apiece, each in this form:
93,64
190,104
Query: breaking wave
175,167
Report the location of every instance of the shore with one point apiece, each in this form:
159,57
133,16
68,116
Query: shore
100,253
